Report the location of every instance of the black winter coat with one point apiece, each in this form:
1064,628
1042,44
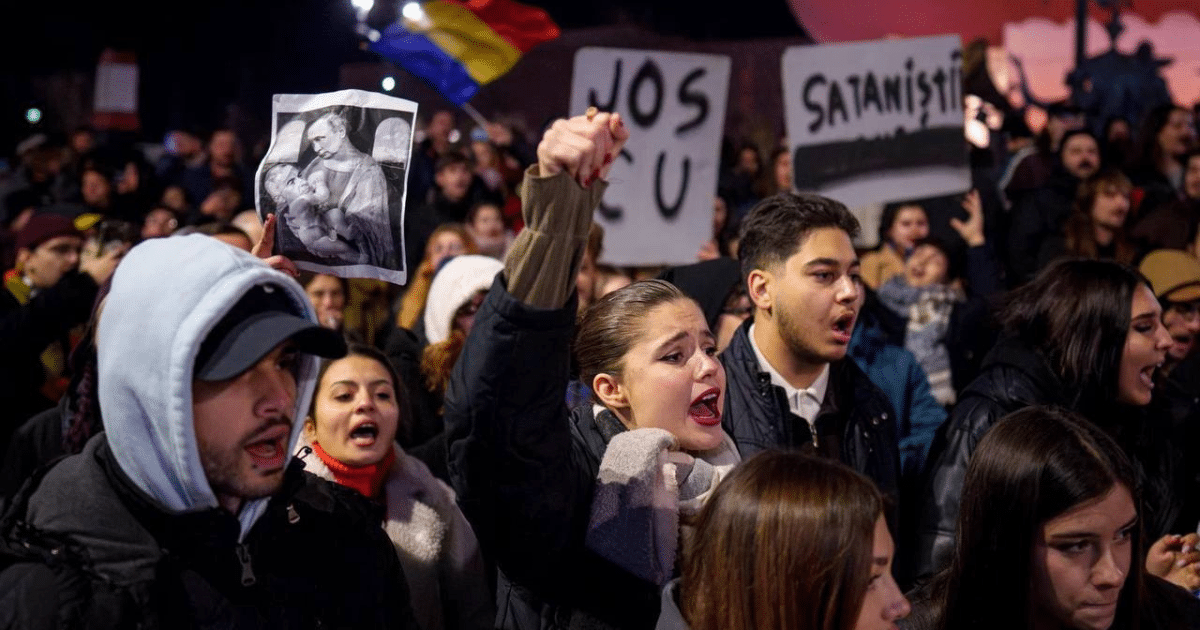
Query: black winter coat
25,332
1015,376
317,558
33,444
525,471
855,415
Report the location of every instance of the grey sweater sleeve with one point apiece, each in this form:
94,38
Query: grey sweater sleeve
544,259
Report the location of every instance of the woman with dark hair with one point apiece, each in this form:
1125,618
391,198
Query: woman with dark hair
1049,526
1166,135
350,438
582,509
1096,227
900,227
788,542
1083,334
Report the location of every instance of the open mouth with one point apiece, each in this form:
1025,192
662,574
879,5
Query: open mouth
1146,376
269,452
364,434
705,408
843,327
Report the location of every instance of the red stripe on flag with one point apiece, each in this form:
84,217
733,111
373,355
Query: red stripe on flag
519,24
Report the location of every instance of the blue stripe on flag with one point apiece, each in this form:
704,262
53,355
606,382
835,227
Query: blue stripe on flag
420,56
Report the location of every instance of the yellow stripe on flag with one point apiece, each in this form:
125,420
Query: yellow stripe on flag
468,39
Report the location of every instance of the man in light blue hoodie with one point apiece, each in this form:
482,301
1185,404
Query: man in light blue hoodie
188,511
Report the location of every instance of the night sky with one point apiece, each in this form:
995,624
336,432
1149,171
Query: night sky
197,57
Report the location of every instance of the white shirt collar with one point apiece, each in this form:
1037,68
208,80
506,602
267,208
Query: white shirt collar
806,402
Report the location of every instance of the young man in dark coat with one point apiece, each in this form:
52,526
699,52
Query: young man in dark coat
47,295
790,384
189,511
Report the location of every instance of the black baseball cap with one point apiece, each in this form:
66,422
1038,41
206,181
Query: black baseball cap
263,318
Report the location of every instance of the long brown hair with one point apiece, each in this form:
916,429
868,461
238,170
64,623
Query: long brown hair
1080,227
785,542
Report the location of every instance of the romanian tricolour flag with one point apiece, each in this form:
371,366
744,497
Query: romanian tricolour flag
459,45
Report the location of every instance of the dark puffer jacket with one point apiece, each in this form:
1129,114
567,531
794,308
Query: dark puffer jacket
317,558
509,433
1013,377
1016,376
856,419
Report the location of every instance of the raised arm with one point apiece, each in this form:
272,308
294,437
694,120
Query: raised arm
520,480
560,194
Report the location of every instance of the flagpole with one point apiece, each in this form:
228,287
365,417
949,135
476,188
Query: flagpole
475,115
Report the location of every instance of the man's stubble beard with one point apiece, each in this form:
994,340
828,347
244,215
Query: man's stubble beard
793,338
222,469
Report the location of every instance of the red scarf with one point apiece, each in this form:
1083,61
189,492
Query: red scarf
366,479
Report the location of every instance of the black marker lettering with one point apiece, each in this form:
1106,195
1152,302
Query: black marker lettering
891,94
812,105
871,93
926,94
698,99
836,104
939,79
908,84
670,211
854,80
648,72
611,105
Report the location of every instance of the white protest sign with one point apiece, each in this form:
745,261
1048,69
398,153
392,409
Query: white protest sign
873,122
659,205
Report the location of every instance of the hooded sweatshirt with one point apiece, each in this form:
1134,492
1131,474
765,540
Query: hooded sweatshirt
167,294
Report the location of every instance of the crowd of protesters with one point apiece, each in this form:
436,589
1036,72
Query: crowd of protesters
994,405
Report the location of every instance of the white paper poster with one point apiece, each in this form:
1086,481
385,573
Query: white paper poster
658,208
335,179
880,121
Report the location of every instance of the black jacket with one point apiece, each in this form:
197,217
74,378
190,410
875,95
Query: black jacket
525,471
107,556
855,418
1016,376
25,332
35,443
1013,377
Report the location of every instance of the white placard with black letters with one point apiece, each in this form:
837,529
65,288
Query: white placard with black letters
658,208
879,121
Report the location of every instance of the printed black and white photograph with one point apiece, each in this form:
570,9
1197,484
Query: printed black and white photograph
334,176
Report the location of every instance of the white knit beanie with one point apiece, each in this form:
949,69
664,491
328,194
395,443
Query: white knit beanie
458,280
